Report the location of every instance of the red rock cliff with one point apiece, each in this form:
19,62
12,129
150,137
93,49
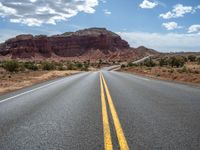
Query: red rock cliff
70,44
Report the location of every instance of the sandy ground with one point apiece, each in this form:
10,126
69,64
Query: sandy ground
164,73
10,82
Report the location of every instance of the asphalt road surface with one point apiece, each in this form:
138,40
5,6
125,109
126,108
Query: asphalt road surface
96,111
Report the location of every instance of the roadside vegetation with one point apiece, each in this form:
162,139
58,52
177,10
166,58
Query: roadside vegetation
14,66
16,74
171,67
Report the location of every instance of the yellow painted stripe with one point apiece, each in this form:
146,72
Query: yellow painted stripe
120,134
106,127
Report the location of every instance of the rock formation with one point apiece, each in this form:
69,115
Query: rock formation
69,44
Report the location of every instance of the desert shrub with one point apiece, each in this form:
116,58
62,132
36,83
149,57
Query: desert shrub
86,65
1,64
99,63
70,66
59,65
11,65
135,65
198,60
113,62
149,63
176,61
21,66
88,61
164,70
48,65
185,58
31,65
192,58
79,65
130,64
184,69
123,66
174,77
85,68
196,71
158,75
171,71
163,62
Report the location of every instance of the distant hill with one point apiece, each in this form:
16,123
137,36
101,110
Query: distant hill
92,43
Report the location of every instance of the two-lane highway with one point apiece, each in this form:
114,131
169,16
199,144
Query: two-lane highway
101,110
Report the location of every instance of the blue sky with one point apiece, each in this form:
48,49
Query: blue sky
165,25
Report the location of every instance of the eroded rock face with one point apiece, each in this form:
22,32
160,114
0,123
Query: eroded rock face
70,44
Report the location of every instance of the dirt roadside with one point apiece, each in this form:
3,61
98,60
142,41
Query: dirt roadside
14,81
165,74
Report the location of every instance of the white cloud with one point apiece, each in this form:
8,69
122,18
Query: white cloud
178,11
196,8
194,28
4,10
163,42
38,12
167,15
33,1
106,12
171,25
146,4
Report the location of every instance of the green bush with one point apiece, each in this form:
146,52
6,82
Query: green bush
171,71
85,66
21,66
11,66
123,66
59,65
198,60
79,65
1,64
192,58
99,63
70,66
176,61
185,58
48,65
163,62
31,65
130,64
149,63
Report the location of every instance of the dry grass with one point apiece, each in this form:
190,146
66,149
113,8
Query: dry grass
189,74
10,82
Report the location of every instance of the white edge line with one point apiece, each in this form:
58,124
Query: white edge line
141,78
1,101
136,76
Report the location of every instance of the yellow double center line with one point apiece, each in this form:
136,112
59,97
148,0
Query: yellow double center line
106,127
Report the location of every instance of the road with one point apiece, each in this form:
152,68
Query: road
117,67
142,60
107,110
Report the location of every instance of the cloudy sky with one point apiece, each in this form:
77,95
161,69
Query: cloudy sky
165,25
